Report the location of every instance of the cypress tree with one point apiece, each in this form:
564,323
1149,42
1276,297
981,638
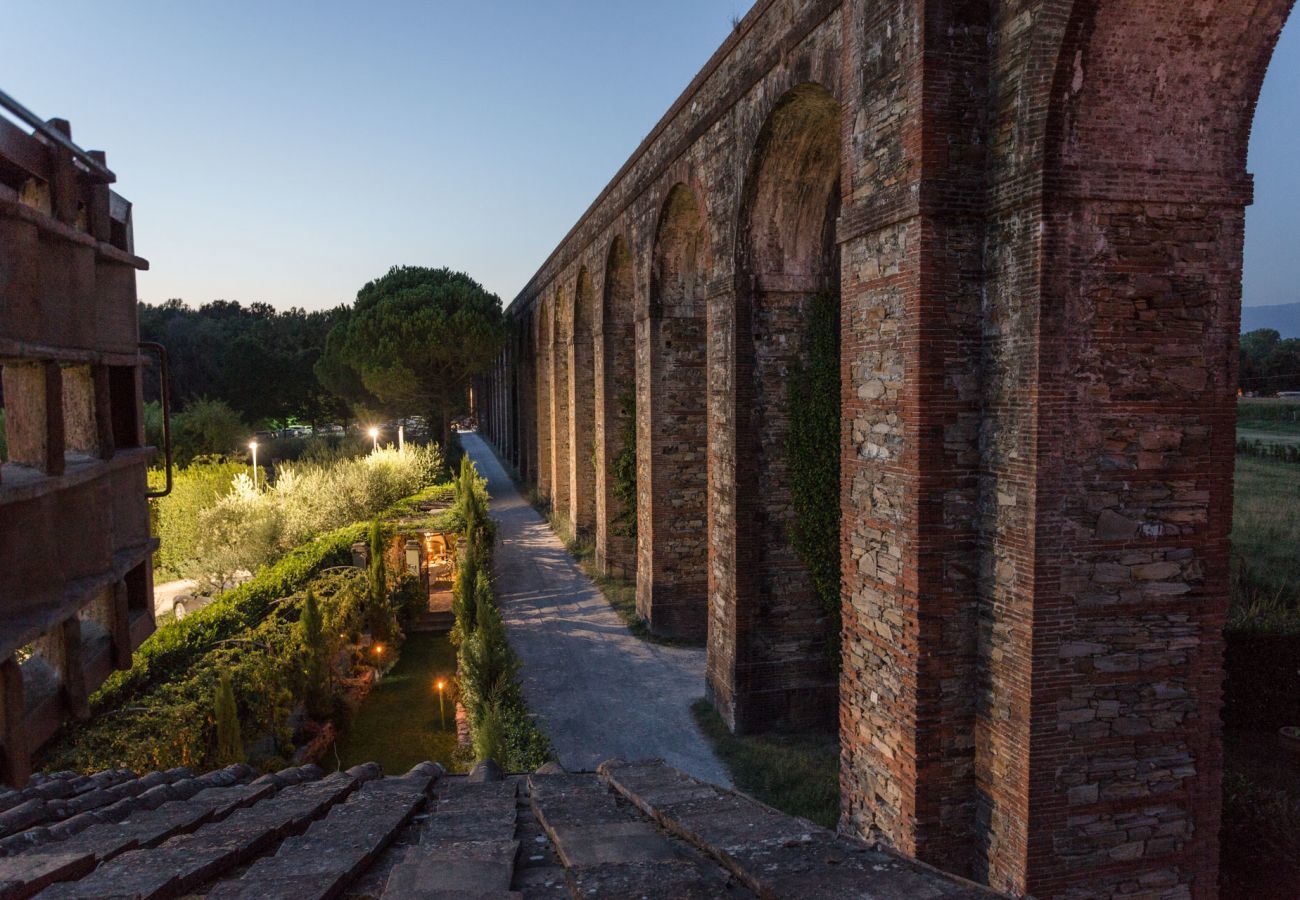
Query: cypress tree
377,607
230,744
490,737
315,663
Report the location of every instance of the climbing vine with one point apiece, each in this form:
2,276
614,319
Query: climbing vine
624,468
813,450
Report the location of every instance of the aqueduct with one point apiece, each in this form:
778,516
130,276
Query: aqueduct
1029,214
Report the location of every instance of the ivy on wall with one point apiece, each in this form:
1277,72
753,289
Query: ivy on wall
624,468
813,451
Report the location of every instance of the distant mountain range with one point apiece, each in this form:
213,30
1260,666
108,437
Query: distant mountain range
1284,317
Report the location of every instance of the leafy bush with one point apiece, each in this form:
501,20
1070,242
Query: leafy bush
175,646
176,517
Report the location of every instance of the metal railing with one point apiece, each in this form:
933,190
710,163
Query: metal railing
53,134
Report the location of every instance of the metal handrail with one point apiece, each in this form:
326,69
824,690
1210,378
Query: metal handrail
57,137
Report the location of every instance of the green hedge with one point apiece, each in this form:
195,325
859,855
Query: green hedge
176,645
486,664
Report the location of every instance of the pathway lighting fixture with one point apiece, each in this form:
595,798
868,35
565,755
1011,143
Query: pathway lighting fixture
401,439
252,445
442,714
374,436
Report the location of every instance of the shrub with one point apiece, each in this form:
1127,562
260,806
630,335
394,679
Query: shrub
175,646
487,666
176,517
490,736
315,658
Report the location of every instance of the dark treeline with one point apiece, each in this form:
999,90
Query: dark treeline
1268,363
257,360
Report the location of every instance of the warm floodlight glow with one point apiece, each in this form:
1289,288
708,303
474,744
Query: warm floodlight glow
440,684
378,649
374,432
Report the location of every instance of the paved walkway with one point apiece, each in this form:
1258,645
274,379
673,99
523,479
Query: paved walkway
599,691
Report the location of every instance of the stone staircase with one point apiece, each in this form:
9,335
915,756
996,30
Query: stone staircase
436,621
631,830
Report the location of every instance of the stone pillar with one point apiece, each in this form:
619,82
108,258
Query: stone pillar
581,437
542,425
559,367
614,383
910,327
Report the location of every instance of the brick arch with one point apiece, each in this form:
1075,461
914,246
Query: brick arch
1128,323
615,348
776,672
561,323
581,363
672,540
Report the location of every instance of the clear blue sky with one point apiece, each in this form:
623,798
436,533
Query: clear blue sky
290,151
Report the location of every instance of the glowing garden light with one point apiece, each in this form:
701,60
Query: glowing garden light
442,714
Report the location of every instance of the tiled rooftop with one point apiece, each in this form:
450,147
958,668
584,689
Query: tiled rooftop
629,830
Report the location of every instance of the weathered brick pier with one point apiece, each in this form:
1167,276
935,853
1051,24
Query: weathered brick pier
1031,212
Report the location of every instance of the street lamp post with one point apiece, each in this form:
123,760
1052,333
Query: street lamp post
374,436
252,445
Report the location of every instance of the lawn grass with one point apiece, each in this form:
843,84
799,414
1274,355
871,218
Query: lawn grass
795,773
398,724
1266,546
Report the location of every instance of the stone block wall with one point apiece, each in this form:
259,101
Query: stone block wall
1036,236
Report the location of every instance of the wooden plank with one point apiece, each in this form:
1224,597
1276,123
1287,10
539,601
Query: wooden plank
22,151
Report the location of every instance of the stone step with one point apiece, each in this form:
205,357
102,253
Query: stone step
149,828
468,848
108,797
432,621
53,800
609,850
189,860
337,848
774,854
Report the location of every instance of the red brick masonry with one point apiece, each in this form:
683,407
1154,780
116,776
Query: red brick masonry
1032,212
